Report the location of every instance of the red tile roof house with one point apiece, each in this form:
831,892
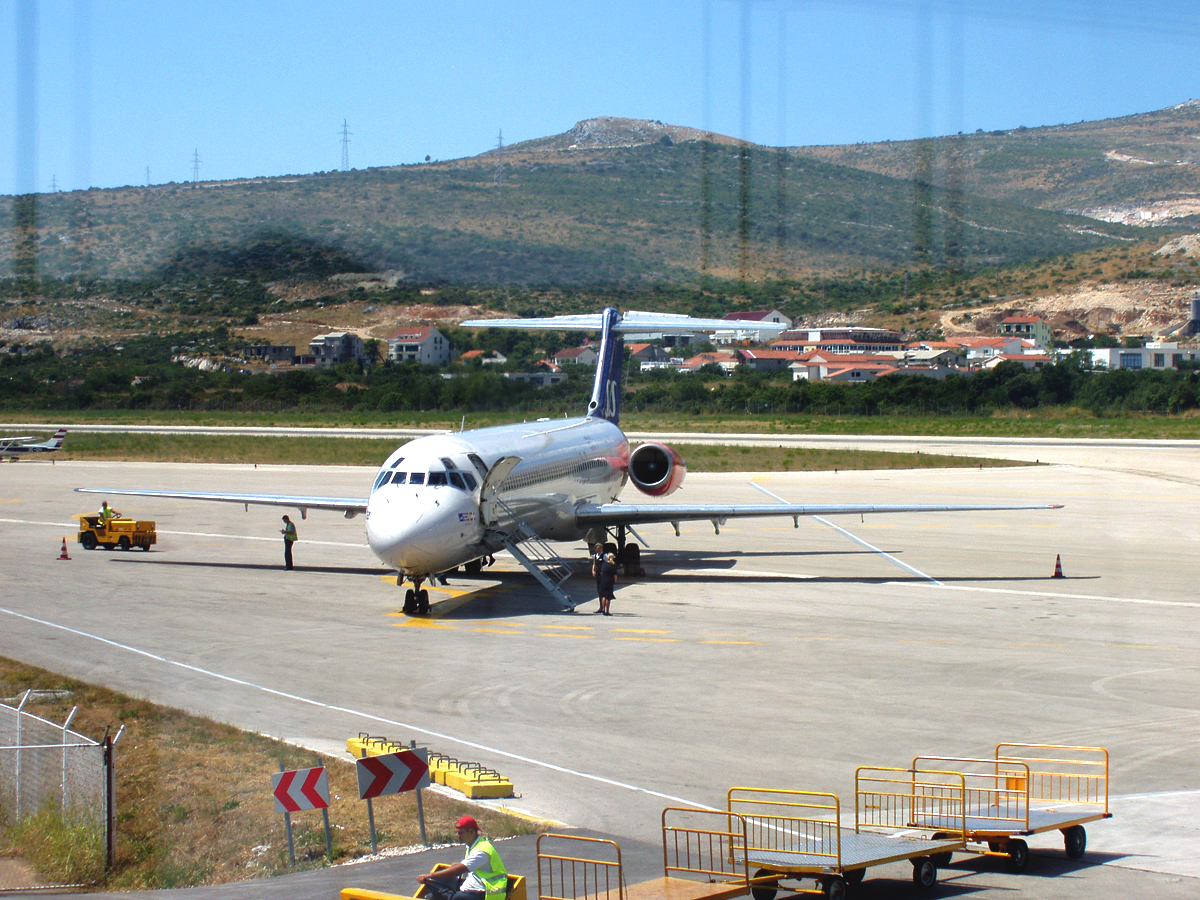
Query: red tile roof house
1032,327
726,361
584,356
426,346
767,360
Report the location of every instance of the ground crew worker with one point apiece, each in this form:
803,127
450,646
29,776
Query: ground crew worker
289,537
480,876
106,514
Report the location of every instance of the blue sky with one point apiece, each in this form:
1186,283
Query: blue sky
96,91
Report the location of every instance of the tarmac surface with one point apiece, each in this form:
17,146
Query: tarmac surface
764,656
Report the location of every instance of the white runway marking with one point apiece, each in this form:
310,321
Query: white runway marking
1058,594
856,539
354,712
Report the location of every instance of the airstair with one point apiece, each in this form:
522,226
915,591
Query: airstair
538,557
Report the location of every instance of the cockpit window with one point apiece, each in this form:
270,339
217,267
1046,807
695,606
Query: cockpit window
456,480
436,479
417,478
383,477
397,462
470,481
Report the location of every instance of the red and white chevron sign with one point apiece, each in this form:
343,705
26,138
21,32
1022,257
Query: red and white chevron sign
393,773
301,789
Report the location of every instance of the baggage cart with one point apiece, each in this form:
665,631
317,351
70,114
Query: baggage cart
704,858
796,836
1027,789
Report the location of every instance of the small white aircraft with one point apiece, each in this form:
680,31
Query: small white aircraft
449,500
16,447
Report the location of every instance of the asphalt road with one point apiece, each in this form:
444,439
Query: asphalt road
764,656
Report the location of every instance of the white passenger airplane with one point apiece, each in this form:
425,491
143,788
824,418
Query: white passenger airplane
449,500
16,447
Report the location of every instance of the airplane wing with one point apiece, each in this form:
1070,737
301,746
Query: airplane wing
609,514
630,321
4,442
347,506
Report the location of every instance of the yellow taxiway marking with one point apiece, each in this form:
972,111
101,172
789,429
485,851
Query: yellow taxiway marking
640,631
650,640
496,631
584,627
731,642
414,622
582,637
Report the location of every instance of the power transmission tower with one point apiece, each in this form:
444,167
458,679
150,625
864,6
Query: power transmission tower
345,146
54,184
500,159
195,168
147,176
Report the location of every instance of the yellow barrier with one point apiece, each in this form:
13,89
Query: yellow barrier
475,781
516,891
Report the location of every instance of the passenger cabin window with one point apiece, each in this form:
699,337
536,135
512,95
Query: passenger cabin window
437,479
417,478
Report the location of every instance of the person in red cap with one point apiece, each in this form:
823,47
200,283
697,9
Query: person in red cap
480,876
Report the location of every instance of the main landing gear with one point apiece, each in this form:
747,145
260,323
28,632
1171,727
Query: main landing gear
416,598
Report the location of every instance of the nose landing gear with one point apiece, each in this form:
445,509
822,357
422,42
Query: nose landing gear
416,598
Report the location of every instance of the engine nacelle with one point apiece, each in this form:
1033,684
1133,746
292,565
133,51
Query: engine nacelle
656,469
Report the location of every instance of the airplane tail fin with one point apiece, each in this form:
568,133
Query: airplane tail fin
606,390
57,441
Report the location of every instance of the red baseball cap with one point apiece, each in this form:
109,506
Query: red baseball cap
467,822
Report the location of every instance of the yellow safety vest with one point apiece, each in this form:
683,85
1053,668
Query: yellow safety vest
495,876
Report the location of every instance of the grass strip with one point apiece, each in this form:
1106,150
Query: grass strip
194,803
205,448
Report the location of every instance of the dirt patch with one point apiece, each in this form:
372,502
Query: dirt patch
1139,308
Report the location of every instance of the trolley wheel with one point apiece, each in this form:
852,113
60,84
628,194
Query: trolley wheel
941,860
855,876
924,872
1075,841
474,567
835,888
123,543
423,601
88,540
766,890
410,602
1018,855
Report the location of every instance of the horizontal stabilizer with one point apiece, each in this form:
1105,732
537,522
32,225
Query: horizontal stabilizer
631,321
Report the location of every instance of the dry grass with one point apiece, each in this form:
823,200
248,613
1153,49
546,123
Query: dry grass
194,802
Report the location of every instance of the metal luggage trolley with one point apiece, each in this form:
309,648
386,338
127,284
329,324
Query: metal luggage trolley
1028,789
707,844
797,835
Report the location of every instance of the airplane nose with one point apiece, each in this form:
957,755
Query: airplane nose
424,532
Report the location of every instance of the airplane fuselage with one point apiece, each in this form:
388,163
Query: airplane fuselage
438,516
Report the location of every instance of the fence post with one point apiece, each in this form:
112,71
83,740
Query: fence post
20,715
110,812
66,724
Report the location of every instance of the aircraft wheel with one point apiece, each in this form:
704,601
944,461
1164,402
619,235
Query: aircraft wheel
1075,841
410,602
766,890
123,543
423,602
1018,856
474,567
88,541
924,872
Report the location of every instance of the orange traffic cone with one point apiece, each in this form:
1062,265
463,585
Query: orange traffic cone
1058,566
63,555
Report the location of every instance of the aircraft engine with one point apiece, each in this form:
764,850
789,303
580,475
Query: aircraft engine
656,469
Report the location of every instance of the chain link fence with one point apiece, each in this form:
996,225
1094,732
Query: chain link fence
46,769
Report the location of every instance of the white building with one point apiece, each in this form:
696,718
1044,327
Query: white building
426,346
1155,355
